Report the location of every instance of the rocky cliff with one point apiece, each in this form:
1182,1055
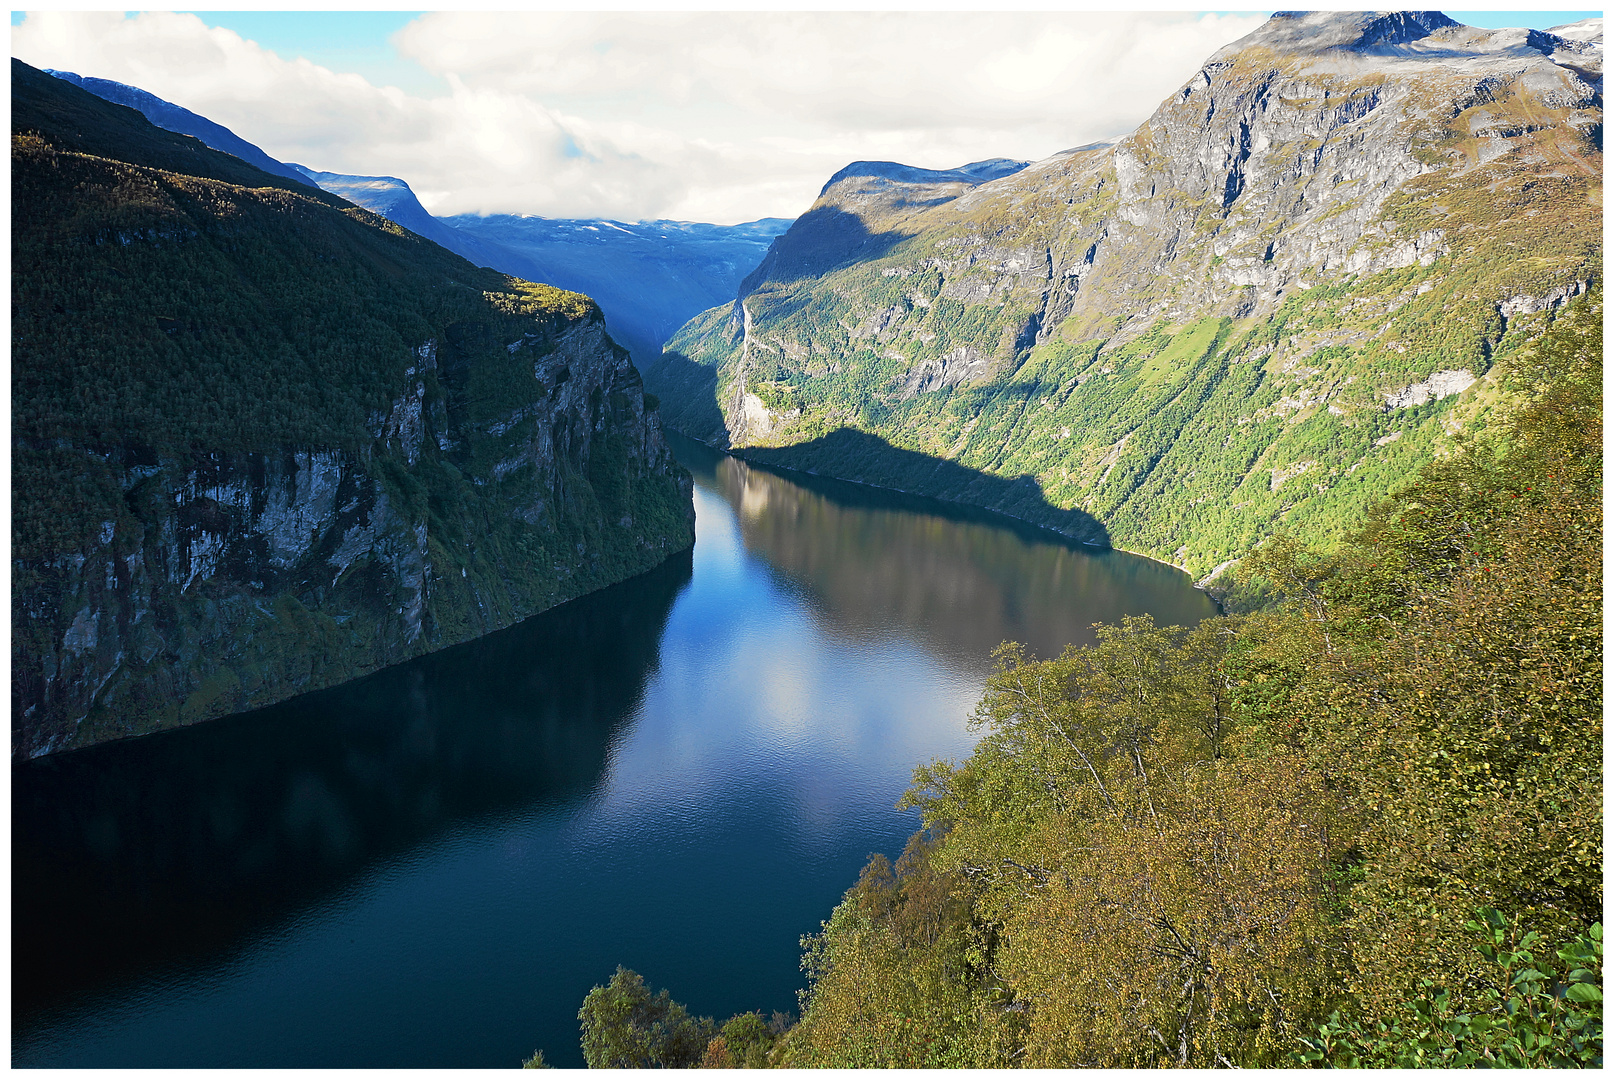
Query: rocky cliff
265,441
1260,310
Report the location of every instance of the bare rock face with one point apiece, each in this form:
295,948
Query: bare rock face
1275,163
1332,213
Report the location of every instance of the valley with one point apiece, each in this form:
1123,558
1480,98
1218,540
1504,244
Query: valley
1137,606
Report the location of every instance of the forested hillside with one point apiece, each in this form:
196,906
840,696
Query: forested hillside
1264,309
1356,822
265,441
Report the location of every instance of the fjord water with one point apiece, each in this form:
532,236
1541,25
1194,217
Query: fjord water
431,866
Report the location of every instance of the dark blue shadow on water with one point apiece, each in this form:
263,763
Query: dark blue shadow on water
160,853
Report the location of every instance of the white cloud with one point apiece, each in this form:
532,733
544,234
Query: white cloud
715,116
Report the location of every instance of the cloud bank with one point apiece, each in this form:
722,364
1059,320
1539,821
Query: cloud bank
700,116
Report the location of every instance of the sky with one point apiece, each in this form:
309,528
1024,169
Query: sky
695,116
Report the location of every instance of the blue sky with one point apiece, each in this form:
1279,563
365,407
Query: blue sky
357,41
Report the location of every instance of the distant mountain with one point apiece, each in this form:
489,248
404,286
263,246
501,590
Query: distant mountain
394,200
976,172
1264,309
649,278
834,232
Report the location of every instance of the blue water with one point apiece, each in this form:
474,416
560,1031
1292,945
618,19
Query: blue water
430,867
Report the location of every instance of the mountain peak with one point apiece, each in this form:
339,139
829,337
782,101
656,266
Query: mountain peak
1357,31
372,183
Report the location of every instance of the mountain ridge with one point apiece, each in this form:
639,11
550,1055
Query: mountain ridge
171,117
976,172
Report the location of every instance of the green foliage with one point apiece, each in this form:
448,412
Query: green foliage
1526,1012
743,1043
890,976
626,1027
1214,846
536,1061
1454,692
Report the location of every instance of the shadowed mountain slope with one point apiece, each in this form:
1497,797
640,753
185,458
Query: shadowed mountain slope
171,117
649,278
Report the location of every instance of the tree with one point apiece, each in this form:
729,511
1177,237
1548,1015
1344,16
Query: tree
626,1027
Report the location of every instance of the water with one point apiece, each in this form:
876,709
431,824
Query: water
430,867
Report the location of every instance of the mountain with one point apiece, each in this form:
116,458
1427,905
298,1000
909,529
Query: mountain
265,441
385,195
649,278
171,117
394,200
975,172
1313,266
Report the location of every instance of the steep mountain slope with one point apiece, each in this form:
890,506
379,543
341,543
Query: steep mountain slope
265,441
171,117
1262,309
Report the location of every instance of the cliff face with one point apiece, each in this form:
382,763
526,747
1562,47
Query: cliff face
1314,258
265,443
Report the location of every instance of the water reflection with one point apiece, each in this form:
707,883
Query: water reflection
176,849
960,581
